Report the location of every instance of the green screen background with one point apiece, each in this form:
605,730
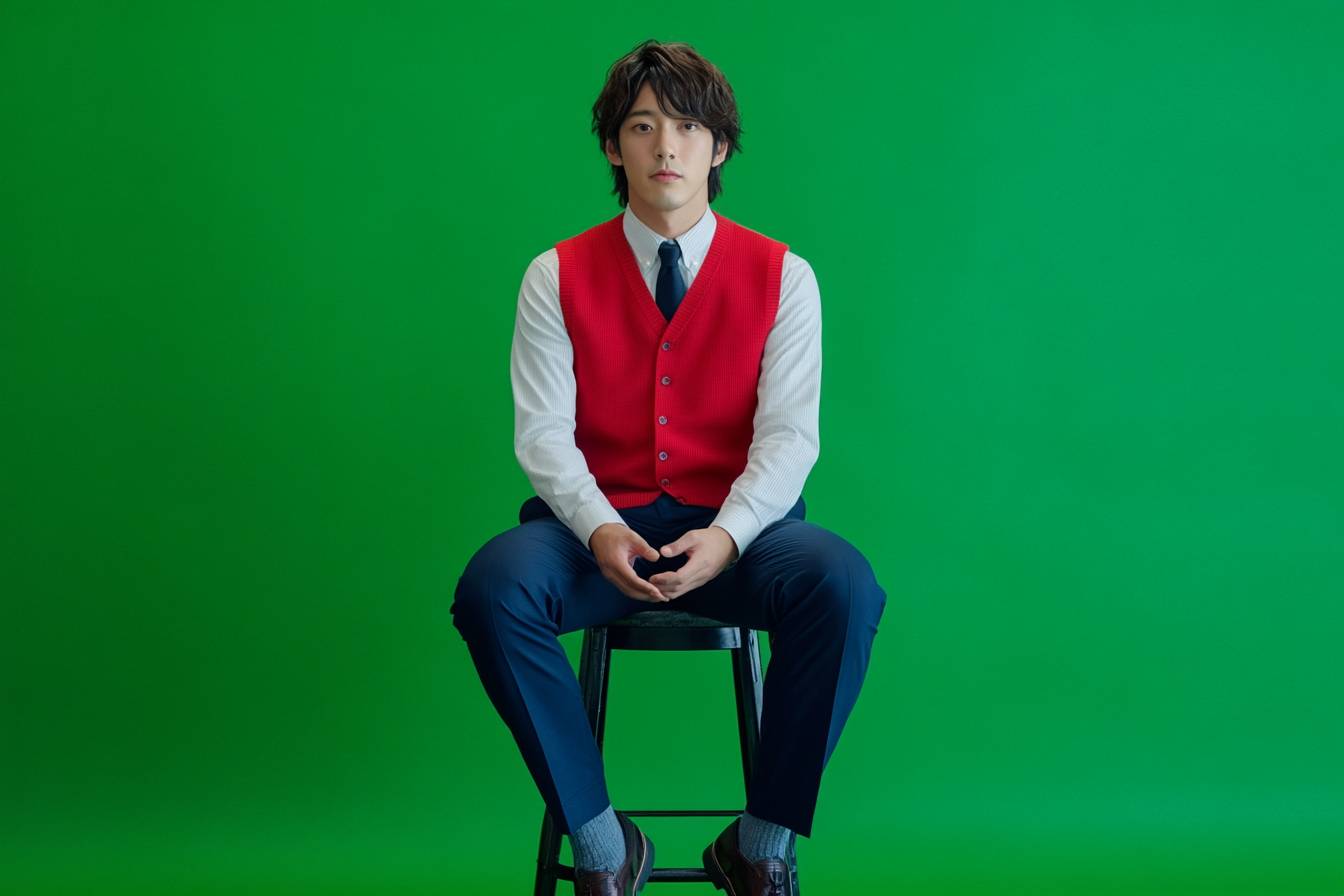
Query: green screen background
1082,266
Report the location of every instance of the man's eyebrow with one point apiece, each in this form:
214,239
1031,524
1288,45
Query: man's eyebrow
651,113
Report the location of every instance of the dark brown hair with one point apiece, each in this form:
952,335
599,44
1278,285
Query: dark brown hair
685,83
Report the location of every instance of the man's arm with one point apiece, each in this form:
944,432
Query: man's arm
784,444
541,368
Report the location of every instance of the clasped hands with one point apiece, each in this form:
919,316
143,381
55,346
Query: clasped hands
708,552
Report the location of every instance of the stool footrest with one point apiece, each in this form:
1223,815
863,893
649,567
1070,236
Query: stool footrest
663,875
680,813
679,876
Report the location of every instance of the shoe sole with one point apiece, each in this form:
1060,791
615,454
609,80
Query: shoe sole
647,867
716,875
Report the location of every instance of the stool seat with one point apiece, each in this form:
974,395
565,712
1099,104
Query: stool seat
663,629
672,630
666,619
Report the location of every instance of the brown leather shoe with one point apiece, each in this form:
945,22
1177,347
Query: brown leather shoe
737,875
626,880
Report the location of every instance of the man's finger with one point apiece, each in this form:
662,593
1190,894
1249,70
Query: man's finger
672,592
644,550
651,595
636,584
638,546
679,546
643,591
684,579
689,570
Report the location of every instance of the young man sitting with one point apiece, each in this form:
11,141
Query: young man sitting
666,374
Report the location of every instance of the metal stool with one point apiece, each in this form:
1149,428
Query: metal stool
661,630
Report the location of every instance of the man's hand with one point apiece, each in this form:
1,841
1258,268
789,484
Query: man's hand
616,546
708,551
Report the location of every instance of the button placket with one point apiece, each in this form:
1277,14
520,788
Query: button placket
666,381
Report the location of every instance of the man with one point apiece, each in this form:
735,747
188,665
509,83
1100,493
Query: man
666,376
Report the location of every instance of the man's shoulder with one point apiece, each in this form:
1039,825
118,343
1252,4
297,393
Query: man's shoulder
725,221
546,262
792,261
596,232
744,234
795,262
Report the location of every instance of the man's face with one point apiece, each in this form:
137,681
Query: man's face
667,159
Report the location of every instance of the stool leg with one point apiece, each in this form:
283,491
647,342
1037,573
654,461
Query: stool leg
749,683
594,676
548,857
748,687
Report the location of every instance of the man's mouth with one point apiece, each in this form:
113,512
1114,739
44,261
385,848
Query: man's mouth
666,176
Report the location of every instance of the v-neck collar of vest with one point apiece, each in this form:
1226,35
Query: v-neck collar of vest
691,302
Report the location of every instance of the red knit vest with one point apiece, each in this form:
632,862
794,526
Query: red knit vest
697,372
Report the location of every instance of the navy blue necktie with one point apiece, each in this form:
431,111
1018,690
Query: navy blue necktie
670,285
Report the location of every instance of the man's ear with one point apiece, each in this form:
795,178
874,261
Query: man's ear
720,153
613,151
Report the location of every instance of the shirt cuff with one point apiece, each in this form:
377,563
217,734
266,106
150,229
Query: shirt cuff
589,517
740,523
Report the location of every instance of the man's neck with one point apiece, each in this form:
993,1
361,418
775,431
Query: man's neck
669,224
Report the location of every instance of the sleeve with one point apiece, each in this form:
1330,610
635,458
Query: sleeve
541,369
785,442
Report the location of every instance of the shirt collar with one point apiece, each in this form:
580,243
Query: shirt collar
644,241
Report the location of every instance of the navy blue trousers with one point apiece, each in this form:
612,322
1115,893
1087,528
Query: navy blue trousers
537,581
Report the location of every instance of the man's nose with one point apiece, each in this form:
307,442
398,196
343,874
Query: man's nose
665,150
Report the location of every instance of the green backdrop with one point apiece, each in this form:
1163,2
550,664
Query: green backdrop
1082,266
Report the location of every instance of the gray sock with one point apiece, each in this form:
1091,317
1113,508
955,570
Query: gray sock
760,840
599,845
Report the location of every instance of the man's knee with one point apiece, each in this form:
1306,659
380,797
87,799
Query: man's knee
494,588
841,579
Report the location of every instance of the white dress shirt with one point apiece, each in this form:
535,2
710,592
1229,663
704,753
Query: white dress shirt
784,443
